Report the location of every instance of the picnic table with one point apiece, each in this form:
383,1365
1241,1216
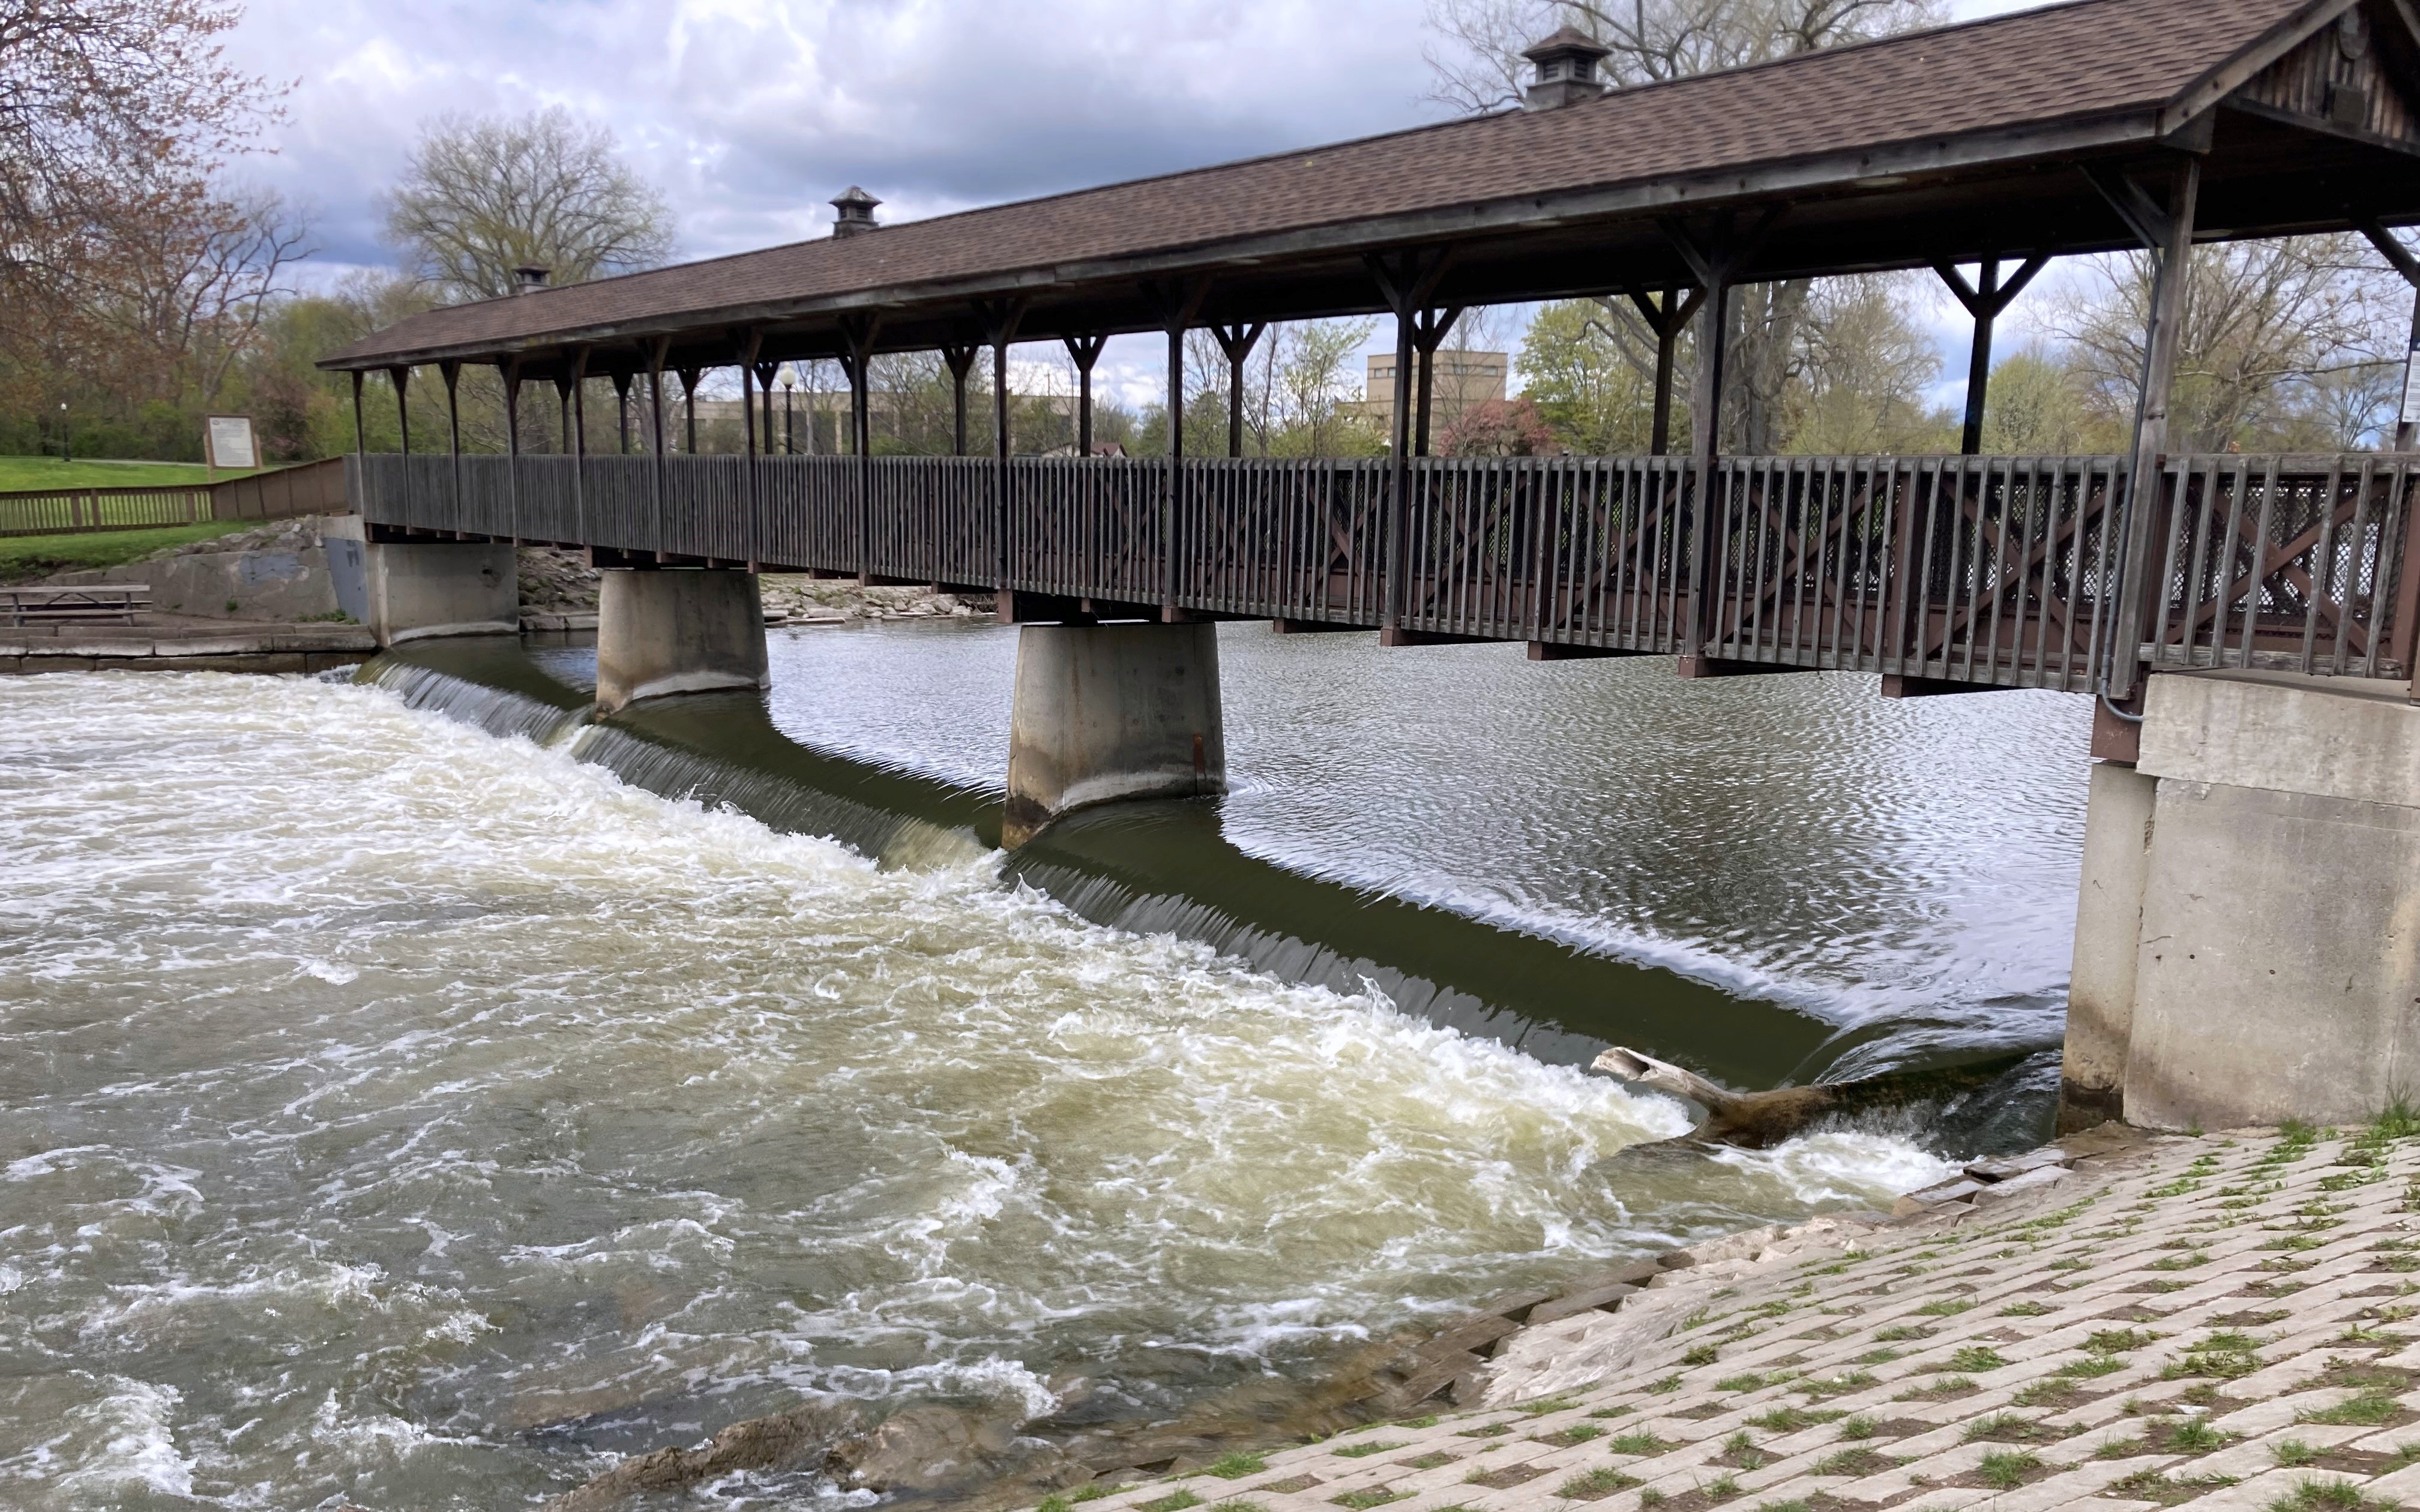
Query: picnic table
121,602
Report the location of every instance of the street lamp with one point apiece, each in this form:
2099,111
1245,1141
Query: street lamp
66,440
789,384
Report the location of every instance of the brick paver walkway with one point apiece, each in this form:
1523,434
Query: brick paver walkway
2222,1323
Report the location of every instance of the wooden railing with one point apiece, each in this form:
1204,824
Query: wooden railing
1994,571
312,489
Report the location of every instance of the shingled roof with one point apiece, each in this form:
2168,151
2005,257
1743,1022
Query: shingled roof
2088,75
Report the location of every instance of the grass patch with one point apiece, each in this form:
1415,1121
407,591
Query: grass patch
2168,1490
1664,1387
1791,1419
2226,1355
1703,1354
2003,1425
1363,1451
2326,1496
1235,1466
2118,1340
2024,1309
2369,1410
1430,1461
1490,1431
1859,1429
1977,1357
1590,1485
1637,1443
37,556
1578,1433
1841,1386
1932,1390
1898,1332
1750,1382
24,474
2007,1469
1360,1500
1176,1501
2049,1392
1860,1461
1944,1307
2291,1453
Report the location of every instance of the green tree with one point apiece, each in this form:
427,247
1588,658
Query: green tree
1589,389
481,196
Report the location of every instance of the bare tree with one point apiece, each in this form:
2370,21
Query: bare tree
1476,64
114,114
2278,338
480,197
1477,58
185,299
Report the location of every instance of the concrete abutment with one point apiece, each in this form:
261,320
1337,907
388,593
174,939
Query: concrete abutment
678,631
416,591
2248,924
1106,712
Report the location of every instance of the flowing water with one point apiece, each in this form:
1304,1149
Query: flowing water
397,1115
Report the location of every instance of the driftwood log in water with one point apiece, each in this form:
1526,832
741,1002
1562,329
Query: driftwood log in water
1759,1121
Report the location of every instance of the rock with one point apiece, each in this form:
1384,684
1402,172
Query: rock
2001,1167
1470,1334
1956,1189
784,1441
1590,1299
2033,1181
1759,1120
1675,1260
929,1447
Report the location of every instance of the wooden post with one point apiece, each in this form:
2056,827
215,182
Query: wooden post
2170,229
961,361
1984,300
689,377
999,444
1085,351
452,372
1169,514
749,346
858,333
1405,279
401,378
575,388
361,427
1705,445
511,370
1666,317
1429,329
658,350
622,412
1238,341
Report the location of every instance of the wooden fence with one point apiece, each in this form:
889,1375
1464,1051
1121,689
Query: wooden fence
312,489
1996,571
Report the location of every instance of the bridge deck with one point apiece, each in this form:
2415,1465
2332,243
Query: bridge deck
1980,571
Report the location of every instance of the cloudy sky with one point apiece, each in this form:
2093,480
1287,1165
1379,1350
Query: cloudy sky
751,114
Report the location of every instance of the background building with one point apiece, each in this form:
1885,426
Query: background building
1463,380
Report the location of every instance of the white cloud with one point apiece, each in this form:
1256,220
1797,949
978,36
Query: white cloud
751,114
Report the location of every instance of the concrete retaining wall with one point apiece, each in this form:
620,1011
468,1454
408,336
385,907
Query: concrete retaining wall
2276,960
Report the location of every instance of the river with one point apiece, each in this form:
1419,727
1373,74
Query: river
403,1115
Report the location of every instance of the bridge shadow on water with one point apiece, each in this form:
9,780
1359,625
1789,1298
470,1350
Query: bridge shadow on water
1168,868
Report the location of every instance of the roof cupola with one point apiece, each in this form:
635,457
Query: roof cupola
1566,69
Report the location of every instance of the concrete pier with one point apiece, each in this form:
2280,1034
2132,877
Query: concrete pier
1111,712
417,590
678,631
2269,836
